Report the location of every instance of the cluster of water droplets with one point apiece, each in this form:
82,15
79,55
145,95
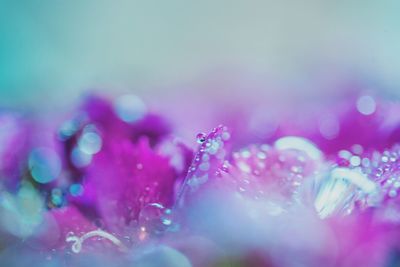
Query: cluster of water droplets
207,160
88,144
356,180
384,169
381,167
265,171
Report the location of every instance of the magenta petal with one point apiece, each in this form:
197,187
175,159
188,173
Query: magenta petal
360,241
100,112
126,177
97,115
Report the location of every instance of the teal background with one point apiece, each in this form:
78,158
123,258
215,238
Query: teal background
51,50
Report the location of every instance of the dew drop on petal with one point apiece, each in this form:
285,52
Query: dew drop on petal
201,137
355,161
79,158
76,190
90,142
344,154
68,129
151,217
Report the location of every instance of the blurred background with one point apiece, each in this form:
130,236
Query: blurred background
216,55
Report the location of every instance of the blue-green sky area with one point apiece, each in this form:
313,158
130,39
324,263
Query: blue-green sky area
51,50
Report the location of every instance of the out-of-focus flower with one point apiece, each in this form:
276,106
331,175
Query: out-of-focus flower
125,172
118,181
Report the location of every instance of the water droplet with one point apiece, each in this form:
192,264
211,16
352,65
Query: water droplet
201,138
366,105
166,218
70,234
204,166
79,158
245,153
225,136
296,169
130,108
139,166
261,155
365,162
57,197
205,157
213,146
90,141
392,193
76,190
68,129
355,161
151,217
44,164
225,166
166,221
241,189
243,166
344,154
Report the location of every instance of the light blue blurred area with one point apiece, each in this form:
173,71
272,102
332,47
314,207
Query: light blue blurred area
51,50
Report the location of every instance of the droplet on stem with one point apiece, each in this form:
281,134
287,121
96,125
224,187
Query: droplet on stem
201,137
